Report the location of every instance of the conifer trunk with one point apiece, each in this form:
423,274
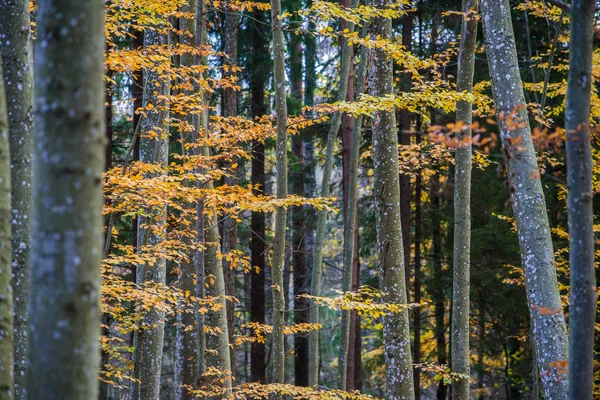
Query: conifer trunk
67,240
278,351
529,206
317,264
149,342
399,369
462,206
6,295
17,62
580,211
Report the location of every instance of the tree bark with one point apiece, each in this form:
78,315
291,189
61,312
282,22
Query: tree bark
580,211
258,77
149,343
278,350
67,237
317,267
527,197
17,62
417,281
6,295
399,370
462,206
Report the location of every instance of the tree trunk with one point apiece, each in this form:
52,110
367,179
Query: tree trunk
347,358
399,370
278,349
18,77
258,77
230,47
6,295
529,206
417,281
317,264
462,206
149,343
580,211
187,335
67,197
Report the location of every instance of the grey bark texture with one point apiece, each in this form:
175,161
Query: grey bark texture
6,294
67,240
149,342
462,206
529,206
278,350
584,293
187,334
396,335
17,62
351,217
317,263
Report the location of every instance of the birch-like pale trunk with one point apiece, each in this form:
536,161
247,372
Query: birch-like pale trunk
67,239
17,62
317,264
6,294
278,350
396,335
149,342
462,205
352,206
584,293
529,205
187,335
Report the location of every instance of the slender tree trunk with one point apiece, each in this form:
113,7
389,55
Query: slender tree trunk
399,370
230,39
278,355
6,295
67,230
351,232
579,179
149,343
529,206
258,78
317,267
17,62
462,206
187,335
417,281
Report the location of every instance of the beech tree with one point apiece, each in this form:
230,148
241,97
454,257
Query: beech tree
68,162
528,203
17,62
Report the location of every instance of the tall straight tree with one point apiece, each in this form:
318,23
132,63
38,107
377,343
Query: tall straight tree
186,346
396,335
580,211
149,343
16,50
67,218
258,77
529,205
6,295
462,205
317,267
282,192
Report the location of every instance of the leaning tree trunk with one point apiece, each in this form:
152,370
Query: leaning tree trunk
317,268
462,206
149,342
16,50
67,215
528,201
278,351
579,179
6,295
399,369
